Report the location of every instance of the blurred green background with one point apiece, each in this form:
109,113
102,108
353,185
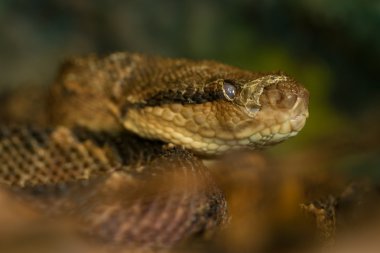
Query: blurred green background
332,47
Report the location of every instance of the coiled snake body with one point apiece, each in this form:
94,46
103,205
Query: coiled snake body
120,155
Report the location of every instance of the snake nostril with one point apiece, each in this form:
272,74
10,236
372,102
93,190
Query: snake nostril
281,98
288,100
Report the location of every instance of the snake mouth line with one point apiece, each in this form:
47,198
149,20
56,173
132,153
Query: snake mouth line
261,138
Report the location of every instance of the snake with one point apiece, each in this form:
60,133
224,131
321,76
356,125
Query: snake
121,155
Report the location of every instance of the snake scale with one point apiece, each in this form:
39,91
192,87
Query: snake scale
121,154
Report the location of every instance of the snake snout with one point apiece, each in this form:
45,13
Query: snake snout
286,96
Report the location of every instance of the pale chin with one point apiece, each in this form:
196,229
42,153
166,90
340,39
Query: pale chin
279,132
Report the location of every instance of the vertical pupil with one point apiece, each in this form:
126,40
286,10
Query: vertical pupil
229,89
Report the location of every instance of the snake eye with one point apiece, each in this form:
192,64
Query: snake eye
229,90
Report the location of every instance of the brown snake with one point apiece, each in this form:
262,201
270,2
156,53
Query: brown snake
103,160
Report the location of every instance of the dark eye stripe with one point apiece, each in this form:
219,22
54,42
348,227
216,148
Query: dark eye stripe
209,93
229,90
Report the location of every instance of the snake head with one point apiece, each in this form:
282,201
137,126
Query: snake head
211,108
263,111
233,114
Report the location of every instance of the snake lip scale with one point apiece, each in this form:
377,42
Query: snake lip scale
103,160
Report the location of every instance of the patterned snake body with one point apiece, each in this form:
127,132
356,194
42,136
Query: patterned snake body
103,161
